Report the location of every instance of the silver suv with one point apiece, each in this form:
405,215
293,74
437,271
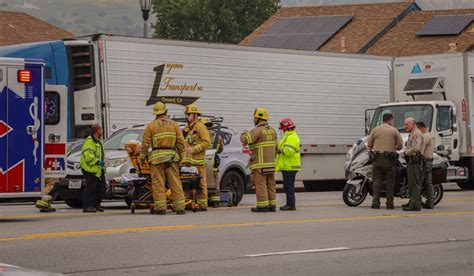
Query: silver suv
234,174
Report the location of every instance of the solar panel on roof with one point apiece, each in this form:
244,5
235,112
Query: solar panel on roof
420,84
446,25
301,33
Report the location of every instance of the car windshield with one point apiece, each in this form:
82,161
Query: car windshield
75,147
118,141
421,113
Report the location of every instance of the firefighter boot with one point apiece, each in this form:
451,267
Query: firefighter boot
159,212
259,209
44,206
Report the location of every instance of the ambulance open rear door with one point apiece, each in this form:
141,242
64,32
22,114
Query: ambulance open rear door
21,128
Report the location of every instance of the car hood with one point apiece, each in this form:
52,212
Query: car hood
109,154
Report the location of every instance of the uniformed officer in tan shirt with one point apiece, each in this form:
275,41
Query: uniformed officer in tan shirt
427,167
414,159
385,140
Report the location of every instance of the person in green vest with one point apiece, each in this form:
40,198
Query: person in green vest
93,169
288,161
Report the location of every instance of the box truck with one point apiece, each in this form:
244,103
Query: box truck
114,81
437,90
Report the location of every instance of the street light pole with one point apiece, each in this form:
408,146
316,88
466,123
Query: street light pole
145,6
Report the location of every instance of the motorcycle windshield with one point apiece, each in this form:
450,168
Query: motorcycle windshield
420,112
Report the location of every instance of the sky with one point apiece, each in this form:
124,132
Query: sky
123,17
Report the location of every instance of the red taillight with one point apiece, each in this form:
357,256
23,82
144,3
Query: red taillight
246,151
24,76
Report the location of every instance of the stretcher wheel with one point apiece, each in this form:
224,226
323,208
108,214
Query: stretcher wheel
132,208
152,209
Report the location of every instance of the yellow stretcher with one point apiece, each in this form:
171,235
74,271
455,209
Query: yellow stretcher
140,188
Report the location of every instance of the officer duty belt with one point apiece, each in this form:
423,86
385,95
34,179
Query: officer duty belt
387,154
414,159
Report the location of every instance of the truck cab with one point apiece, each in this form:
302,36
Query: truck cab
438,116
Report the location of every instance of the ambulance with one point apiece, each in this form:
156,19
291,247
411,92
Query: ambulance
32,128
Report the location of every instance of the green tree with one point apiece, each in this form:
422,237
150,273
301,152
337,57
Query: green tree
223,21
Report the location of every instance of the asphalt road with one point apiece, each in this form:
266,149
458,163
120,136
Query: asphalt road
323,236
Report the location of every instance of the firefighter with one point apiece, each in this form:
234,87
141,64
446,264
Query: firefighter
167,144
262,142
93,168
44,204
414,159
198,140
288,161
216,198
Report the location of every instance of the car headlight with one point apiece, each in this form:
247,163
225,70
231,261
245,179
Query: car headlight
116,162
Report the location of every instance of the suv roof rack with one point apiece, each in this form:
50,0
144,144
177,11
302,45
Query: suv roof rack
212,119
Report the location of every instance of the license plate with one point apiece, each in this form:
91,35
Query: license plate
74,184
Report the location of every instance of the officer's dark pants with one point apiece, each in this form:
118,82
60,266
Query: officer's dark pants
94,191
383,168
289,186
414,183
426,181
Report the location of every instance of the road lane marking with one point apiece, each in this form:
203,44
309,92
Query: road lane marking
298,252
229,225
246,206
56,215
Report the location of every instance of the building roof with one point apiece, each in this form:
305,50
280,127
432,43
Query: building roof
402,39
18,27
370,21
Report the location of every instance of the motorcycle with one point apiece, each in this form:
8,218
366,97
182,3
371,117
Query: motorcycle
359,182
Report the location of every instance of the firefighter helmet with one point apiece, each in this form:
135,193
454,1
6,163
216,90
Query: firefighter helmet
159,108
192,109
261,113
286,124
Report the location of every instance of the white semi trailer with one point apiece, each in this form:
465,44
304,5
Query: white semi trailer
116,79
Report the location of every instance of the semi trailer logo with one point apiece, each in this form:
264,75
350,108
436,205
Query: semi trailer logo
427,67
416,69
166,83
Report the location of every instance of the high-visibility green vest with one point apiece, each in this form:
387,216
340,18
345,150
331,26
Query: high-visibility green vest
288,157
92,153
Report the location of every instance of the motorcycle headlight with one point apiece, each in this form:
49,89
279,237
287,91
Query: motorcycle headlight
116,162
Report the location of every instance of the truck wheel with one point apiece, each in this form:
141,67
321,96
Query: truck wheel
465,185
310,186
233,182
74,202
324,185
